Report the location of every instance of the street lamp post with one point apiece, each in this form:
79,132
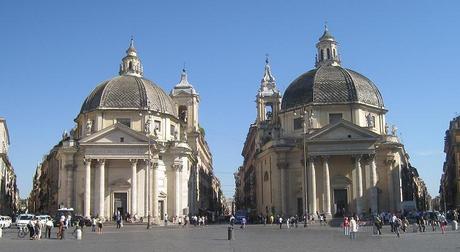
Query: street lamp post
305,174
149,165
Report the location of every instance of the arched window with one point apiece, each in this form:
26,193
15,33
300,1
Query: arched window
333,50
328,53
322,54
183,113
130,67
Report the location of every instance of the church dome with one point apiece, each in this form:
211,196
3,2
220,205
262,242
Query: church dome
130,90
331,85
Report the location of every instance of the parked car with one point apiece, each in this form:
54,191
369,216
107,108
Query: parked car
23,220
43,218
5,222
79,218
63,212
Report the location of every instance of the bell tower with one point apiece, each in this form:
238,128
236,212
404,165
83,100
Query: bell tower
268,98
187,100
328,54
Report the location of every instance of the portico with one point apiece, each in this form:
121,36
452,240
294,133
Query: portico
341,149
117,177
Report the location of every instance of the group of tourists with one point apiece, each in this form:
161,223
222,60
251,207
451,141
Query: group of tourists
351,226
399,223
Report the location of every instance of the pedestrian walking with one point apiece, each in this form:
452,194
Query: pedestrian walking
49,226
93,224
243,223
118,219
353,228
378,224
99,225
346,226
397,225
443,222
288,222
281,222
31,227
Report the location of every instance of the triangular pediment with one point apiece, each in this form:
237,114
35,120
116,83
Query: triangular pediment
115,134
342,131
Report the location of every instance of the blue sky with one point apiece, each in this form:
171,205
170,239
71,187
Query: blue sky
55,53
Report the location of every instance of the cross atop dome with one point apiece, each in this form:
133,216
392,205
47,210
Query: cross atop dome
131,49
327,50
131,64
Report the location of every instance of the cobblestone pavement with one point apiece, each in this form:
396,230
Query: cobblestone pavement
253,238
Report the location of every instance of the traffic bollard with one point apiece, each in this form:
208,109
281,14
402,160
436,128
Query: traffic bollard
79,233
230,233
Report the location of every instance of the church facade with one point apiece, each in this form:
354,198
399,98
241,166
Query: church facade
134,149
323,146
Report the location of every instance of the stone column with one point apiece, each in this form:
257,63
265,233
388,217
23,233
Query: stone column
359,184
283,201
391,189
312,185
87,210
133,186
154,196
146,189
177,196
102,188
327,186
373,195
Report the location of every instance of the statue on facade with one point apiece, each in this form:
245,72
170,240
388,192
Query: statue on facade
311,120
176,135
370,120
393,130
64,134
147,127
387,128
89,126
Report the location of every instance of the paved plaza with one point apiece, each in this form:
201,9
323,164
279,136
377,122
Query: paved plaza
214,238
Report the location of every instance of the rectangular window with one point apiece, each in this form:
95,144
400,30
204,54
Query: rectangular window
172,130
158,125
298,123
335,117
124,121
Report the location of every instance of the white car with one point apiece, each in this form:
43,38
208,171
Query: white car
43,218
23,220
5,221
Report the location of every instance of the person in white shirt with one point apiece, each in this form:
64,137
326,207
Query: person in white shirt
353,228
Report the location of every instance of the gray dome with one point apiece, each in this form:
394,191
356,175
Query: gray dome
331,85
129,92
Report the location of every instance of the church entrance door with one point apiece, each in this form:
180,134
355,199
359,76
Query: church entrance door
340,202
120,202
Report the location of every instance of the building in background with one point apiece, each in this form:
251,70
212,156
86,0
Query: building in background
449,190
43,198
324,146
9,194
134,149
